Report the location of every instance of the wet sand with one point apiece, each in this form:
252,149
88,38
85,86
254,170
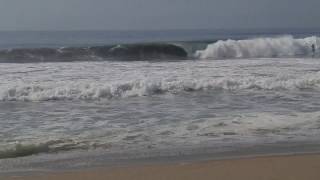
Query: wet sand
293,167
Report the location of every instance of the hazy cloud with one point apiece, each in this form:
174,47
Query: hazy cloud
156,14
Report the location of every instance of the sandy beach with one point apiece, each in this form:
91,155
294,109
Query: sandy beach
293,167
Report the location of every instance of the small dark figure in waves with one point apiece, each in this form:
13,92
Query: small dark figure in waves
313,47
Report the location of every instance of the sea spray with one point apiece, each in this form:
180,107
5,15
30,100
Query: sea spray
276,47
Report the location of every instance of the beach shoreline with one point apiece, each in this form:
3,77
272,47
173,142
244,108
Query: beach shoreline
50,164
294,166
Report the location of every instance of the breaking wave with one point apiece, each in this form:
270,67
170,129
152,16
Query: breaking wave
155,51
96,91
285,46
273,47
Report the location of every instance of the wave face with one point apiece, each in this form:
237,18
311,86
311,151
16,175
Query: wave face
285,46
157,51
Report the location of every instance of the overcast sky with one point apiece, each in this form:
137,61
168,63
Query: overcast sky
157,14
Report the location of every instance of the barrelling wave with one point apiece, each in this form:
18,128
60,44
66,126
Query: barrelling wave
128,52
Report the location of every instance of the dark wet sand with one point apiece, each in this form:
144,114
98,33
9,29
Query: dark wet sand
293,167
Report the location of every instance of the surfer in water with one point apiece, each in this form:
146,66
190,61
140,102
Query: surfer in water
313,47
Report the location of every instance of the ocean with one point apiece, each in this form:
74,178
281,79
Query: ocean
83,98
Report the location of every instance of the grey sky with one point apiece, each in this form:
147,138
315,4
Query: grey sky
157,14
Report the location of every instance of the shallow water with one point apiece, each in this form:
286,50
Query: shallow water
136,106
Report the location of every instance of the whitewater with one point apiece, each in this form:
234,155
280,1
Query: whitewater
283,46
226,94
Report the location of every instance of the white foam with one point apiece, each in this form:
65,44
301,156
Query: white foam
105,80
285,46
148,87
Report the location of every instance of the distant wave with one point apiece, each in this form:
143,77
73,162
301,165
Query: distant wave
148,51
285,46
273,47
97,91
